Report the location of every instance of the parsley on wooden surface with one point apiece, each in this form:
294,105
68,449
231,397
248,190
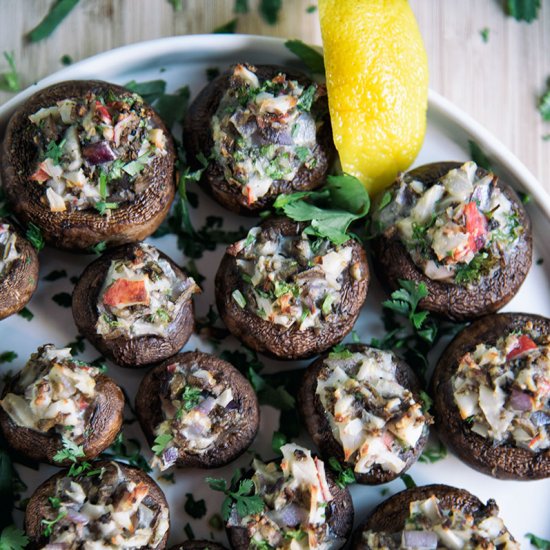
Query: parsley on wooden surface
408,481
55,16
55,275
544,104
10,79
484,33
311,58
433,453
345,476
26,313
537,542
269,10
66,60
63,299
240,494
227,28
522,10
34,236
478,155
195,508
241,6
13,538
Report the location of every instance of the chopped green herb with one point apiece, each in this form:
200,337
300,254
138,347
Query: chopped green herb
537,542
176,4
77,346
57,13
311,9
34,236
212,73
310,56
172,107
66,60
195,508
546,137
241,496
7,356
384,201
228,28
427,401
168,478
216,522
150,90
433,453
48,524
405,301
188,530
478,156
296,534
98,248
484,33
522,10
55,275
134,167
190,398
54,151
326,308
241,6
127,451
340,351
384,491
277,441
269,10
26,314
71,451
10,79
63,299
13,538
544,104
408,481
239,298
345,475
104,207
55,502
472,272
305,101
540,261
525,198
161,443
302,153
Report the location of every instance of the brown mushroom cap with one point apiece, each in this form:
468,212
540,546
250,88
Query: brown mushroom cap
78,230
276,340
104,418
198,545
390,515
454,301
318,425
198,139
38,503
19,283
230,444
339,515
504,461
127,352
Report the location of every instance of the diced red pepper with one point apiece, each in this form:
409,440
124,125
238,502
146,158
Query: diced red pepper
103,112
249,196
524,343
124,292
476,226
40,175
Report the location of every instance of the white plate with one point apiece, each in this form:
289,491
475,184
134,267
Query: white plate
183,60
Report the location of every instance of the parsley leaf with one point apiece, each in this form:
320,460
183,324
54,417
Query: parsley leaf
345,476
63,299
128,451
277,441
269,10
189,532
408,481
537,542
523,10
49,524
161,443
172,107
309,56
71,451
195,508
241,6
241,496
484,33
150,90
55,275
13,538
544,104
176,4
190,398
26,313
10,79
478,156
57,13
34,236
66,60
7,356
405,300
98,248
228,28
433,453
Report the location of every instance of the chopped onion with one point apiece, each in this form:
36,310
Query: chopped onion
98,153
419,539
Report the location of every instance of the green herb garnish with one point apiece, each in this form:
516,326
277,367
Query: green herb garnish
544,104
305,101
405,302
269,10
241,496
49,524
77,346
55,275
55,502
427,401
484,33
345,476
66,60
54,151
34,236
408,481
311,9
161,443
522,10
10,79
190,397
310,56
433,453
57,13
63,299
228,28
195,508
98,248
7,356
537,542
26,313
13,538
188,530
216,522
134,167
472,272
104,207
128,451
150,90
277,441
478,155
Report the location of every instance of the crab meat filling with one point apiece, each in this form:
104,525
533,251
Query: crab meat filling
95,152
291,280
373,417
105,510
197,410
8,250
458,230
264,131
503,391
297,504
141,296
53,392
430,526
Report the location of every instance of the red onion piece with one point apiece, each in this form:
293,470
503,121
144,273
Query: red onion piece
98,153
169,456
520,401
207,405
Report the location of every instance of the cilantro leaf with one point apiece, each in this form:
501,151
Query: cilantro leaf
127,450
13,538
216,484
49,524
345,476
195,508
269,10
228,28
523,10
191,397
241,496
57,13
537,542
34,236
172,107
70,451
309,56
10,79
277,441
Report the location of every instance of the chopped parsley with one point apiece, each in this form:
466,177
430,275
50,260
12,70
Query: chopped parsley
10,79
240,495
537,542
190,398
277,441
544,104
48,524
345,476
228,28
66,60
408,481
161,443
55,275
34,236
522,10
63,299
98,248
195,508
309,56
54,150
311,9
305,101
7,356
188,530
484,33
55,16
77,345
433,453
13,538
134,167
150,90
472,272
478,155
127,450
103,207
26,313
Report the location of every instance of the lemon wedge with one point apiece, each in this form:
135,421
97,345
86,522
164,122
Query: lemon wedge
377,82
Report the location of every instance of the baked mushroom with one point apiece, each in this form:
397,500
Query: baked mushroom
261,131
198,545
199,410
299,502
134,305
287,294
18,270
458,229
88,162
433,516
491,391
111,506
362,406
57,401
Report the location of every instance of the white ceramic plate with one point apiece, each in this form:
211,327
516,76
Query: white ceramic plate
183,60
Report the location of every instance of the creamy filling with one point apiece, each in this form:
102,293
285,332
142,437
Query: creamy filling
373,417
431,526
141,295
95,151
53,392
197,410
104,511
8,249
264,131
297,502
503,391
457,230
291,280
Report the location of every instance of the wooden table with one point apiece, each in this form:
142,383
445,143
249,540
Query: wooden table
498,82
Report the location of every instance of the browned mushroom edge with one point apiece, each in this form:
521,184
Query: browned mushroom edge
235,439
390,515
450,300
198,140
39,504
80,230
276,340
318,426
127,352
21,279
501,461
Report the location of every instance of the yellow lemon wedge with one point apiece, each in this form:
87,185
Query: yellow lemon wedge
377,83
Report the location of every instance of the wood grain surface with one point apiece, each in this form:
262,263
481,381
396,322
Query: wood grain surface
498,82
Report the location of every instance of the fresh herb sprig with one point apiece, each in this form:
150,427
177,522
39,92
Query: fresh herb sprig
345,476
523,10
73,452
544,104
49,524
408,481
161,443
309,56
53,19
195,508
537,542
9,80
13,538
433,453
126,450
34,236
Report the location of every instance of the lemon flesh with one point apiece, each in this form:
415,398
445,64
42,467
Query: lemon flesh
377,82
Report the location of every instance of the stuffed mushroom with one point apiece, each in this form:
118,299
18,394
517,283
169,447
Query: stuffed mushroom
88,162
18,270
362,406
58,402
261,132
290,295
134,304
299,505
459,230
197,411
111,506
491,392
431,517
